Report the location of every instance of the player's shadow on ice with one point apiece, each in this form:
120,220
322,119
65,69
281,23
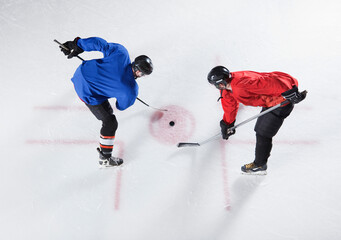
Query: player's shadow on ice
243,188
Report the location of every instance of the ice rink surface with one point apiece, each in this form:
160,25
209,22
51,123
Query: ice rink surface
50,184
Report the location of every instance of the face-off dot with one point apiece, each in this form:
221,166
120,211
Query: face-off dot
175,125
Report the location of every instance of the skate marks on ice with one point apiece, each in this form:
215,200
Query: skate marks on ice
177,124
118,172
207,176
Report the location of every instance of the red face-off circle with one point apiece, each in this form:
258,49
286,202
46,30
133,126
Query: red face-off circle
172,126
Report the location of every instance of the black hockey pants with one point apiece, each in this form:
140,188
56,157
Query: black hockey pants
105,113
266,128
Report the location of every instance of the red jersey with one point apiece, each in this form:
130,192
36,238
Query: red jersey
254,89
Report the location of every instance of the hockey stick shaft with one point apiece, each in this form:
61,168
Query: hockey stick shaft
258,115
62,46
264,112
183,144
159,109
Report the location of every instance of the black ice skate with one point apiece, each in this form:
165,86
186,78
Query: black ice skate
251,168
108,161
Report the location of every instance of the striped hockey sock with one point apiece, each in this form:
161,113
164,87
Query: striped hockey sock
106,143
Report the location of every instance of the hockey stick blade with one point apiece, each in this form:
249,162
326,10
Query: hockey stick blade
184,144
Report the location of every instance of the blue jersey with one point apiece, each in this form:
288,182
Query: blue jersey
98,80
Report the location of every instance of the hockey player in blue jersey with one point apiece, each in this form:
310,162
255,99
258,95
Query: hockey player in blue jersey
97,80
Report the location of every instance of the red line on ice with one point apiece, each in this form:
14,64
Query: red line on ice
120,154
225,177
61,108
233,142
59,141
118,189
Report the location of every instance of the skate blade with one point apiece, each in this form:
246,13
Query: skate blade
108,166
260,173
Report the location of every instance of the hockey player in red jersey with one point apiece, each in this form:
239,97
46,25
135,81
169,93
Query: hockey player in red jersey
255,89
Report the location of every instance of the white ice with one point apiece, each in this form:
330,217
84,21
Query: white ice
50,184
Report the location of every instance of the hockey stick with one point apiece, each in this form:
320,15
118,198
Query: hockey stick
195,144
159,109
62,46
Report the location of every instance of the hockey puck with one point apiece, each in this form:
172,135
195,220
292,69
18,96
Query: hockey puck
171,123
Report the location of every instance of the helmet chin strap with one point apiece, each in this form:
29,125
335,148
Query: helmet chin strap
221,81
227,87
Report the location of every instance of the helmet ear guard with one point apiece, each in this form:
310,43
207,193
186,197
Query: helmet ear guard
135,67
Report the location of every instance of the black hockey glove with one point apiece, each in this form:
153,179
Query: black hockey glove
72,48
224,129
293,95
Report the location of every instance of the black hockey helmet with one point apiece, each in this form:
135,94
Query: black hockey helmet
143,64
217,75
